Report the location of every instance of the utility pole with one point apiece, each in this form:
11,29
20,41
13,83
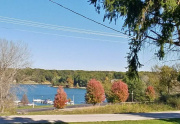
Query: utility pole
33,102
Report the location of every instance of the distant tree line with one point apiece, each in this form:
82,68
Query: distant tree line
163,80
66,77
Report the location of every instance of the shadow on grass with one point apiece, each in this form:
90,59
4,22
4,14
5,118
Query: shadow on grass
163,115
9,120
172,120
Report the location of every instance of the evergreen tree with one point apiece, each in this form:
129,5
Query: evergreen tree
137,87
151,22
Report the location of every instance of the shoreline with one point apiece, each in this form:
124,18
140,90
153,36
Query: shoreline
51,85
71,87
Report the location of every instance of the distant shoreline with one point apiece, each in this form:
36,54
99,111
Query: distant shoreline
72,87
35,83
48,83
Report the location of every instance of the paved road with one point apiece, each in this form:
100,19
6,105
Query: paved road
87,118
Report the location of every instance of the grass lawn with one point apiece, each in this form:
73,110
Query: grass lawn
30,107
110,109
162,121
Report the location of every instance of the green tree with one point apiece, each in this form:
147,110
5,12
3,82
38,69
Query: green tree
137,87
167,78
82,79
38,76
119,75
154,22
55,81
107,88
70,82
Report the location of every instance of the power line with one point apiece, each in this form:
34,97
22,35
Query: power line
171,60
27,21
37,23
55,27
37,32
88,18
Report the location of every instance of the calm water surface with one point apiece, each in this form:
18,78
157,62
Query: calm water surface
48,92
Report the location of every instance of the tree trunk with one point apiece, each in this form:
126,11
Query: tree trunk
2,111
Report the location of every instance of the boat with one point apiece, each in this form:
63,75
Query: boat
17,102
48,101
38,100
70,103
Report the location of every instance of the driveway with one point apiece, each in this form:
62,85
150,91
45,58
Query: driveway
88,117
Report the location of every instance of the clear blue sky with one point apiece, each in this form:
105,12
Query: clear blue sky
56,49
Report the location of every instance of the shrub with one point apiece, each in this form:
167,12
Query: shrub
150,93
174,101
24,100
120,91
94,92
60,98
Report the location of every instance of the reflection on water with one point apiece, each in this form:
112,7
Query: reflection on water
48,92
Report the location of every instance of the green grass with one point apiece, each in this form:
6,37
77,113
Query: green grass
161,121
39,106
30,107
110,109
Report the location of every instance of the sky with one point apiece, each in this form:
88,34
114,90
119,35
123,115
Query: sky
59,39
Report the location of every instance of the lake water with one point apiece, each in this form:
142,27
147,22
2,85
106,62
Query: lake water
48,92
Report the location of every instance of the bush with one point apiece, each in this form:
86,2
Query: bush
95,92
175,102
120,91
150,93
60,98
24,100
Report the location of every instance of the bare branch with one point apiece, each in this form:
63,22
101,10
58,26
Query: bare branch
12,57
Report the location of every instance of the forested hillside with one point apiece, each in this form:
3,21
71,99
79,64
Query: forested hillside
163,79
66,77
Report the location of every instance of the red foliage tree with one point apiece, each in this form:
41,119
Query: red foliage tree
24,100
60,98
120,91
150,93
94,92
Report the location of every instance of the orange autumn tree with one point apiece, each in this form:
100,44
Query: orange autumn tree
94,92
150,93
60,98
120,91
